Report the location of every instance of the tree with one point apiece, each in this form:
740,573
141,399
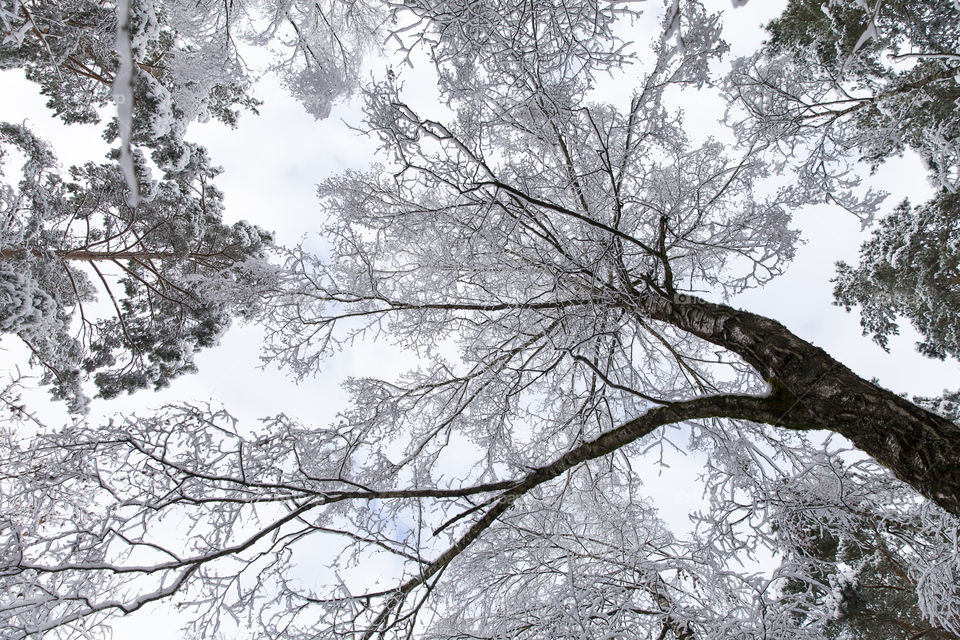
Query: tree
858,552
182,272
186,65
871,79
549,259
902,54
854,78
910,268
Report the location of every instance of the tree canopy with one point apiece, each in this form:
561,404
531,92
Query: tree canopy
560,268
868,80
181,272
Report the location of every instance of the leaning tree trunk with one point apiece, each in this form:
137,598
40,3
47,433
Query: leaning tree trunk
814,391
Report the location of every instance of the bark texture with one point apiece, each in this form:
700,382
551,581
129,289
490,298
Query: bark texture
811,390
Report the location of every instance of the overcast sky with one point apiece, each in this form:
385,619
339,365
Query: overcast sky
273,161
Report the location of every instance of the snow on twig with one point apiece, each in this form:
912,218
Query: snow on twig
123,95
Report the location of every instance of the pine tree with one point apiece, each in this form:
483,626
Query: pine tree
910,268
186,68
172,272
894,62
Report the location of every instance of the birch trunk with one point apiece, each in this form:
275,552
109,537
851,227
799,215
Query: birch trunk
812,390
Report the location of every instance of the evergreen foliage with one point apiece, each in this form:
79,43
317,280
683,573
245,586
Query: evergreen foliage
910,268
173,273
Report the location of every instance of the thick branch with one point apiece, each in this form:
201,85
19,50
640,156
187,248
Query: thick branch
817,392
754,408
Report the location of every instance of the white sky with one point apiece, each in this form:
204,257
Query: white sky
272,164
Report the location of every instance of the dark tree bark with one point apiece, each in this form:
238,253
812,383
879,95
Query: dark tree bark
811,390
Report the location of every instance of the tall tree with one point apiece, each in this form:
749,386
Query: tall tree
173,273
186,66
854,80
859,555
551,261
868,80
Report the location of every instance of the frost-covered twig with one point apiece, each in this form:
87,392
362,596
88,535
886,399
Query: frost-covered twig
123,95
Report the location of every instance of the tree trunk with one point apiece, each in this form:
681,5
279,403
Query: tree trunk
814,391
91,256
85,255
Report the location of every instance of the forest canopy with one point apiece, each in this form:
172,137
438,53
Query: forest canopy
560,267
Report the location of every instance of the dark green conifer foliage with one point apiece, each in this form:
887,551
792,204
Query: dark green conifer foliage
910,268
170,273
